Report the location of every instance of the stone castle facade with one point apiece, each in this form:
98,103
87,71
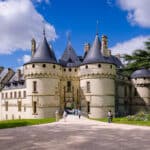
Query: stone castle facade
92,83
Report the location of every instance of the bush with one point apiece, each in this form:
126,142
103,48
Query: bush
141,116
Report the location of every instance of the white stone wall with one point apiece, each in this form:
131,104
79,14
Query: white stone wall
13,112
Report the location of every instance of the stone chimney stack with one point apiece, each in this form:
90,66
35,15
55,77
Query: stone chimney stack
118,56
105,45
33,46
87,47
18,74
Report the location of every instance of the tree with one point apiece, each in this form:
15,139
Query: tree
138,59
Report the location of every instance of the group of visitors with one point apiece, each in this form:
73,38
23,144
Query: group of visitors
75,112
78,112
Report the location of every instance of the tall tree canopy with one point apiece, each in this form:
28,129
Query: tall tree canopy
138,59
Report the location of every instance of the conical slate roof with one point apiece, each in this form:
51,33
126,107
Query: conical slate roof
94,55
141,73
69,57
43,54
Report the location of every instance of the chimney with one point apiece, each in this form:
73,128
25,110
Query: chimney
18,74
105,45
118,56
86,49
109,52
33,46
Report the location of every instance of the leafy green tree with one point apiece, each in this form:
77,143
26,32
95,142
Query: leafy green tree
138,59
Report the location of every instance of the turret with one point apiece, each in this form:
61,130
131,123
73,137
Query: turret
141,81
42,81
96,73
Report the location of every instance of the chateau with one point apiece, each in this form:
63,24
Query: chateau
91,82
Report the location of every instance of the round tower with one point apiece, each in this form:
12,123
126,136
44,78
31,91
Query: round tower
97,74
42,82
141,82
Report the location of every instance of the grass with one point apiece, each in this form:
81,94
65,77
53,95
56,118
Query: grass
24,122
124,120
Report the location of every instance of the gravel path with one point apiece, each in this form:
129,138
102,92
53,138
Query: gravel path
76,134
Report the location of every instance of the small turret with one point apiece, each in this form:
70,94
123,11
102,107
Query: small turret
33,46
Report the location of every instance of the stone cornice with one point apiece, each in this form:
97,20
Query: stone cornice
91,76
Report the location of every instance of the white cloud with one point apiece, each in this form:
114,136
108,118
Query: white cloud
127,47
24,59
40,1
20,22
138,11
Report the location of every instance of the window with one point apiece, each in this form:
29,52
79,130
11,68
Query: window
19,94
34,86
86,66
34,107
69,86
24,94
75,70
33,65
15,94
125,91
88,107
64,69
5,95
70,69
2,95
110,66
88,87
24,108
44,65
135,92
54,66
10,94
6,106
99,65
19,105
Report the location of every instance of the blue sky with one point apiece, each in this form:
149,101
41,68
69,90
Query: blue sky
125,22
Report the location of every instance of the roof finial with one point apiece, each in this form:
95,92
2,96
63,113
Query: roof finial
43,28
97,23
68,36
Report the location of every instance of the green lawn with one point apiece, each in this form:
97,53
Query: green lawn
124,120
24,122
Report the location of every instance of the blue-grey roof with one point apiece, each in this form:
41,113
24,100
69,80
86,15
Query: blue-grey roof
15,82
3,73
141,73
69,57
116,61
43,54
94,55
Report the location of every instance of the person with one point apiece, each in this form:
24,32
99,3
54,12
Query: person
110,116
64,115
57,115
79,113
